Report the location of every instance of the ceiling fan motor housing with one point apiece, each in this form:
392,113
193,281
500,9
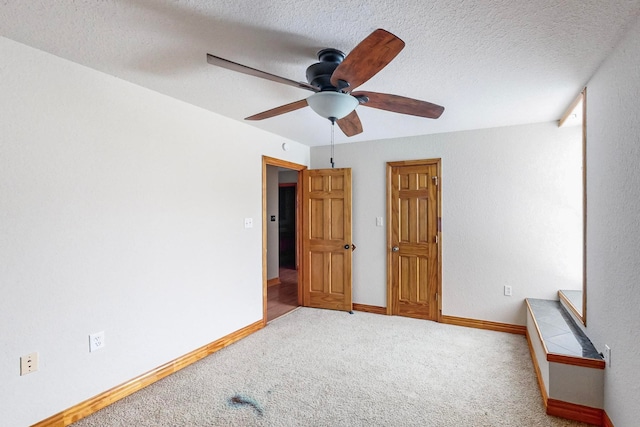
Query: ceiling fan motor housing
319,74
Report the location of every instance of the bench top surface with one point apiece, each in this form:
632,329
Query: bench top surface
559,332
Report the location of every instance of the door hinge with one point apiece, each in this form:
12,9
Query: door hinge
436,296
436,239
435,180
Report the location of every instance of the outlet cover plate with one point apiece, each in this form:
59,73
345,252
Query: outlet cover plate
96,341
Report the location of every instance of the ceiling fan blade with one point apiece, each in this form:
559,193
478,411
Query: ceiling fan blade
234,66
279,110
400,104
365,60
350,124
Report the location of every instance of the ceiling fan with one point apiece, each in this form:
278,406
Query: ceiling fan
334,78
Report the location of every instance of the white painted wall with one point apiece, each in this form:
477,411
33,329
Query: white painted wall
511,215
288,176
613,224
117,215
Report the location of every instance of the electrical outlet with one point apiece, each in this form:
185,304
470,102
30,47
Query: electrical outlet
28,363
607,355
378,221
96,341
507,291
248,223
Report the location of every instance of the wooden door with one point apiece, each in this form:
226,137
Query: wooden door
414,253
326,238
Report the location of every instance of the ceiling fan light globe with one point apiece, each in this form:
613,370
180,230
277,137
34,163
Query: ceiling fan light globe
334,105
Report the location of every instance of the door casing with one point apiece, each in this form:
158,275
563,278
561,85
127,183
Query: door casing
272,161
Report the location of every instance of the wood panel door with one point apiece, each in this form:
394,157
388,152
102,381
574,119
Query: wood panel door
326,238
414,253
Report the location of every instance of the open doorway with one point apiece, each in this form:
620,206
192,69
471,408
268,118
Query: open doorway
281,234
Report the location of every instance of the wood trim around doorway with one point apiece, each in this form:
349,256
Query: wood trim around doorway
272,161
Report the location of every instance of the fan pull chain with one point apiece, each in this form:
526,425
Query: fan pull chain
333,126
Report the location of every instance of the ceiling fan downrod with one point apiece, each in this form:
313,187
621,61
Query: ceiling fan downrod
333,127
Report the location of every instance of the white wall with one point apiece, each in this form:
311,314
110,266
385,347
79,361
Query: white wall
288,176
117,214
613,224
511,215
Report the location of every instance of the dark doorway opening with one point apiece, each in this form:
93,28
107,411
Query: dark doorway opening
287,226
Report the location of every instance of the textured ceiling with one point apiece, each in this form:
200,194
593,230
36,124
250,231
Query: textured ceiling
490,63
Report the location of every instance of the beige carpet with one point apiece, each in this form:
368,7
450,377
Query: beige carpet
327,368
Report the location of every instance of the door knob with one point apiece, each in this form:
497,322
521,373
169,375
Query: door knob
395,249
